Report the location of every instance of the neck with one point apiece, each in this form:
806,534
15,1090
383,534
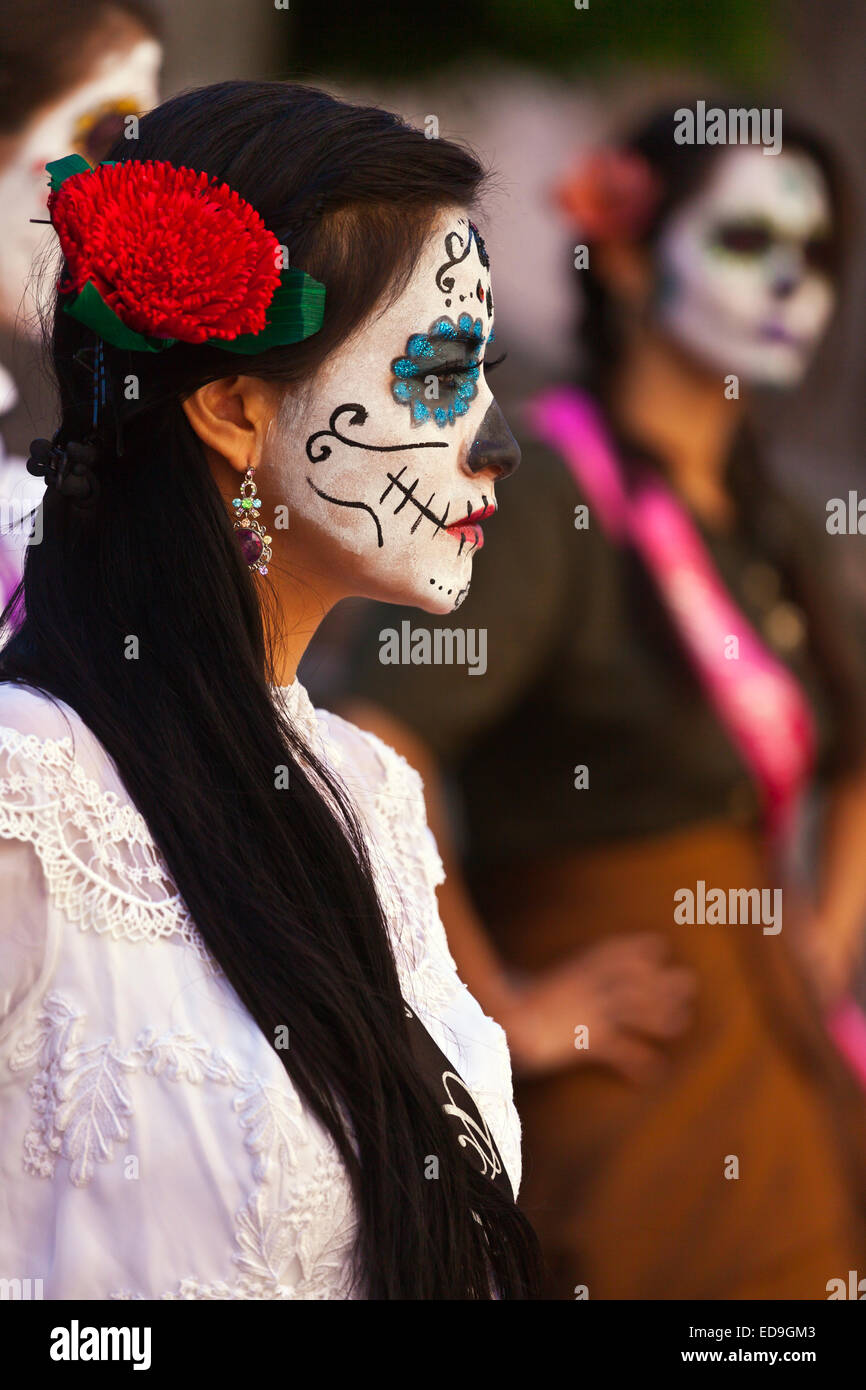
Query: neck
678,409
300,600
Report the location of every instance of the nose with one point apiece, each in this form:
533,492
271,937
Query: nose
494,447
786,271
784,286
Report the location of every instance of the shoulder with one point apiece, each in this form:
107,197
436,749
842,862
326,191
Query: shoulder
62,795
55,772
372,764
388,795
31,711
385,788
47,737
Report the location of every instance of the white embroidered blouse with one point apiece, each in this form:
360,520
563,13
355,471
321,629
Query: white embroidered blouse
151,1143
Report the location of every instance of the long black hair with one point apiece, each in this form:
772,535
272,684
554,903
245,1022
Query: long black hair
277,881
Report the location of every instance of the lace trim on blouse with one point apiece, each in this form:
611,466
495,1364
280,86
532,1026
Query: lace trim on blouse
101,866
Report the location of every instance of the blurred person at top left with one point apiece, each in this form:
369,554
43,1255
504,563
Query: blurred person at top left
71,73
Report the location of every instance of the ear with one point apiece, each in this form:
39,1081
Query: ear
231,418
625,269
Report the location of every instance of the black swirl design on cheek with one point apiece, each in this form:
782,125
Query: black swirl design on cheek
359,416
317,450
343,502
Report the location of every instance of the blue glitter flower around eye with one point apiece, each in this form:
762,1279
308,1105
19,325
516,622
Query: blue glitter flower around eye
466,324
413,370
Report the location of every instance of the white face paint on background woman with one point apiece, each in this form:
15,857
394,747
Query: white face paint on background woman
85,120
744,282
387,462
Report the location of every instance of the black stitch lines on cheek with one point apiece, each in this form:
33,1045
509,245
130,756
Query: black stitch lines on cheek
408,495
317,450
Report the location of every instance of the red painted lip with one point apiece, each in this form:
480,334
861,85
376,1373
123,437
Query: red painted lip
469,529
480,514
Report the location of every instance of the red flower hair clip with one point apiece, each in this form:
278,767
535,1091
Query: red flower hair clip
157,255
612,194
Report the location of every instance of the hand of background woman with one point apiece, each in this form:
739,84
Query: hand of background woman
611,1005
829,955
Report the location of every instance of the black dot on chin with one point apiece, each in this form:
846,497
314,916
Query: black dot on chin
432,581
447,303
462,297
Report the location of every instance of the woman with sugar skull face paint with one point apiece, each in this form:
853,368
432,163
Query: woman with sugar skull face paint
228,896
669,679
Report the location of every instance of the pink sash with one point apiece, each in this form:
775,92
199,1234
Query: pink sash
755,696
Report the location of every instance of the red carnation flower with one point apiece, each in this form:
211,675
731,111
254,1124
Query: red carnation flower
612,194
173,253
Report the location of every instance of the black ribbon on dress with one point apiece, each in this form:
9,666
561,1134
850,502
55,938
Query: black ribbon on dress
470,1129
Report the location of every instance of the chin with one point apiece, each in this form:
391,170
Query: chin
439,603
440,593
773,369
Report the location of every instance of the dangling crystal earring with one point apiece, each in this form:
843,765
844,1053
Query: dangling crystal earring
254,542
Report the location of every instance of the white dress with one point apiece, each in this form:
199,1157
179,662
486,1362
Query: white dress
151,1143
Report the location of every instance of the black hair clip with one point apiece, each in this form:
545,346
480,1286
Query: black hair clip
69,468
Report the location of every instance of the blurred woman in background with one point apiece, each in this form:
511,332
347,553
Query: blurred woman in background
669,672
70,76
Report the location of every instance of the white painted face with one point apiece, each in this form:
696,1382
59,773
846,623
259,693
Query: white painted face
387,461
86,120
743,274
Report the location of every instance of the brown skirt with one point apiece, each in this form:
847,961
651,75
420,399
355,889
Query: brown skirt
627,1185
